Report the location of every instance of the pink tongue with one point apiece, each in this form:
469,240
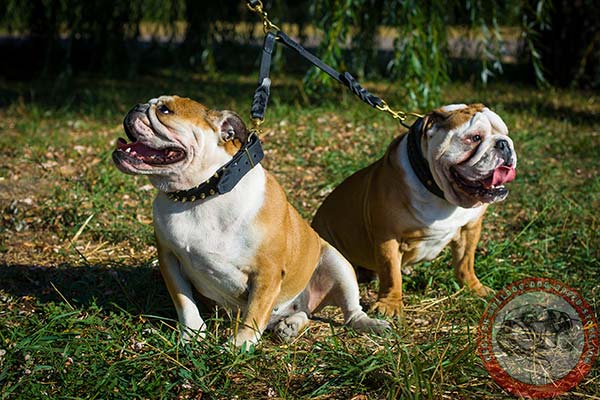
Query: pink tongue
503,174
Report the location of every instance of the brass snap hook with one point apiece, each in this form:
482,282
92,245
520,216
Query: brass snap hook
267,24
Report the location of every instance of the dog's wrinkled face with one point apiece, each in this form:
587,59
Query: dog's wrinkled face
470,154
176,140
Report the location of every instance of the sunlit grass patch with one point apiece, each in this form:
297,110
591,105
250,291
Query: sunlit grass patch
85,313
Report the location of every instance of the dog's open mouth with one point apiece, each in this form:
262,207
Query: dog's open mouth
490,187
138,151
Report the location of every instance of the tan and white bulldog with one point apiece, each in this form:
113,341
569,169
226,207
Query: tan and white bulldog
247,249
386,216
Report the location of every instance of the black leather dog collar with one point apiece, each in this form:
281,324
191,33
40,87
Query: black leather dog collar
418,163
226,177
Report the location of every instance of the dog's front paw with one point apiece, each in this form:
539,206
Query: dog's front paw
189,336
288,328
390,306
364,323
245,339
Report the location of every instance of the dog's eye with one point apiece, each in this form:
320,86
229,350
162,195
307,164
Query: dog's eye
476,138
164,109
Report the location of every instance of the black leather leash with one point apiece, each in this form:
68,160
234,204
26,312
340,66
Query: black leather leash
261,95
274,34
345,78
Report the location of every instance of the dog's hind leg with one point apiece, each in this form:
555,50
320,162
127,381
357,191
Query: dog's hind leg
334,283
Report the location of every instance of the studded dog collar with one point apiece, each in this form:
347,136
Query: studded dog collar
226,177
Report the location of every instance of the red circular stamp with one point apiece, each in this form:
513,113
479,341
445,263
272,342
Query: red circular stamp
538,338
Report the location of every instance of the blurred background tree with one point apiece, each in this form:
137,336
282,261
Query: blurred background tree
415,45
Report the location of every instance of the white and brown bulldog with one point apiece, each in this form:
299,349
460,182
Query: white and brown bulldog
430,188
247,249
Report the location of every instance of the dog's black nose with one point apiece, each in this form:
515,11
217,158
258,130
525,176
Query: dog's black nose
504,150
502,145
130,118
142,107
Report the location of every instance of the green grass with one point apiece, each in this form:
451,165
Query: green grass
84,312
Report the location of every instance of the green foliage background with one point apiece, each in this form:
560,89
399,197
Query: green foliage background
559,41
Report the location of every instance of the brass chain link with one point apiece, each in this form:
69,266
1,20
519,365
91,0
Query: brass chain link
397,114
267,24
256,129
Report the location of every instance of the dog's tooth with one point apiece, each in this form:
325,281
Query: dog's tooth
128,150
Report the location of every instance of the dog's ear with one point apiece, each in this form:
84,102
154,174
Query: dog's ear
232,127
435,117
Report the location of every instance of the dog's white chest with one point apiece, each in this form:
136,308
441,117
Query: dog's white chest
440,232
215,242
436,220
